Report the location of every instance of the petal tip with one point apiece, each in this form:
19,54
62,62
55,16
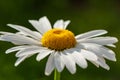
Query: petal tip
47,74
116,40
115,60
8,24
30,21
73,72
108,68
6,52
104,30
37,59
44,17
16,64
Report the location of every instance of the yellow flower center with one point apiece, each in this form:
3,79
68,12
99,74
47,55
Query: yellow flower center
58,39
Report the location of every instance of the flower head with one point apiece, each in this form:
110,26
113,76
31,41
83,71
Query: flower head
58,39
65,49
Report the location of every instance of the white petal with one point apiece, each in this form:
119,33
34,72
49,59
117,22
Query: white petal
25,31
42,25
28,51
103,63
90,34
13,49
18,39
38,35
21,33
100,40
88,55
43,54
79,59
3,33
59,64
100,50
59,24
50,65
108,54
69,62
1,38
111,45
66,23
95,63
20,59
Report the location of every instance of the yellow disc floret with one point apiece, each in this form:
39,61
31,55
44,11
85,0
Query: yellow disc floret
58,39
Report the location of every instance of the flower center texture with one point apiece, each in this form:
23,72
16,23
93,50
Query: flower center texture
58,39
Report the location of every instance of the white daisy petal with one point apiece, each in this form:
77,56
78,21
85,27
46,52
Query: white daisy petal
43,53
100,50
37,26
42,25
21,33
13,49
69,62
38,35
103,63
59,24
28,51
50,65
100,40
108,54
3,33
59,64
1,38
88,55
66,23
111,45
20,59
90,34
25,31
18,39
95,63
79,59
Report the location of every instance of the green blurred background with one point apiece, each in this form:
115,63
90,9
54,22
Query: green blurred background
85,15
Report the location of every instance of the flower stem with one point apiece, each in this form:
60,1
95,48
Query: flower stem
56,75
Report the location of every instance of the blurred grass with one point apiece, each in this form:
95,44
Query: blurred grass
85,15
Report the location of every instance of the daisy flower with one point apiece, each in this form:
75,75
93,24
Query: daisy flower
63,47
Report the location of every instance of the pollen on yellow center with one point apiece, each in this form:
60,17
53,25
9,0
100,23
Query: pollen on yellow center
58,39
